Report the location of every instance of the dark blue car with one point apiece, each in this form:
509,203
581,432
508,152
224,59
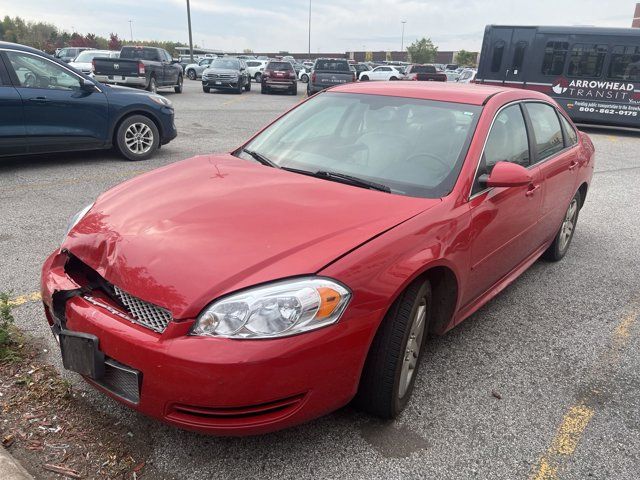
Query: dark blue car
46,106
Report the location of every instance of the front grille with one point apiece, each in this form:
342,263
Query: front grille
144,313
220,76
121,380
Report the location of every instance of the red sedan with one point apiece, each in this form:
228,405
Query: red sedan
247,292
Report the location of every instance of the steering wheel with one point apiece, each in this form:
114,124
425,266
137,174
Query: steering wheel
30,80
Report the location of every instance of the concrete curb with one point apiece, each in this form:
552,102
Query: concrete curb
10,469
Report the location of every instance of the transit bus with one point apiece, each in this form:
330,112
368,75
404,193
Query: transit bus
593,73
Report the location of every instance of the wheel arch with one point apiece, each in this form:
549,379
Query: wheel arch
131,113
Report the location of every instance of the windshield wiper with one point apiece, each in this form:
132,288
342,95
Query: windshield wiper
342,178
260,158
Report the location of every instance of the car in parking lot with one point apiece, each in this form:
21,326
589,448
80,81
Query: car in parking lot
193,71
226,73
329,72
84,61
48,107
273,284
424,73
468,75
139,66
255,69
279,75
381,73
67,54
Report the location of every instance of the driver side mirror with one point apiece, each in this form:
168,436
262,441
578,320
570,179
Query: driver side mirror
88,86
507,174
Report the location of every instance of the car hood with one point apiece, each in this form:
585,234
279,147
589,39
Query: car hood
183,235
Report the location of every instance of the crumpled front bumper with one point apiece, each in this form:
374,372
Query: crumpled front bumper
215,385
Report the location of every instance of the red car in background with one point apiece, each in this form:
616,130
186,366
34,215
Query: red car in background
279,75
247,292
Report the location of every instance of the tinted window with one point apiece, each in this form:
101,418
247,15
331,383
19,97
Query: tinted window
507,141
414,146
226,63
496,59
546,128
332,65
88,55
150,54
571,135
36,72
518,57
586,60
625,63
279,66
555,55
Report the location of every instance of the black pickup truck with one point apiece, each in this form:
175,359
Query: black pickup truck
328,72
425,73
143,67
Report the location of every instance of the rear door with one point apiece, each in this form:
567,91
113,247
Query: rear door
58,114
13,139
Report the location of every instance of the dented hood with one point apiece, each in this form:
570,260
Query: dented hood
182,235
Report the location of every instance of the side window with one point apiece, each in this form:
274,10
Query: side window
586,60
496,59
507,141
555,56
35,72
625,63
572,136
546,128
518,57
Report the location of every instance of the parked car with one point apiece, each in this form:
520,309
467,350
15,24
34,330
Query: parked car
304,74
424,73
255,69
328,72
227,73
390,213
193,71
382,73
452,76
279,75
468,75
361,67
67,54
50,107
185,60
138,66
84,61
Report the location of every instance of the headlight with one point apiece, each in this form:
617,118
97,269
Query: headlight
160,100
277,310
73,221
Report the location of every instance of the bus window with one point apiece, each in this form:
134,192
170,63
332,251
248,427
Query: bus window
555,54
518,57
496,60
586,60
625,63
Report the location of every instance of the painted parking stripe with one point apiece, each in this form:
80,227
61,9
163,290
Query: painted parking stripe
22,299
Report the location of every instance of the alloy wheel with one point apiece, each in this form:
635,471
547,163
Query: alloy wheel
138,138
566,231
412,348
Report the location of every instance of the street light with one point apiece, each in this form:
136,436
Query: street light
402,44
190,37
309,52
131,30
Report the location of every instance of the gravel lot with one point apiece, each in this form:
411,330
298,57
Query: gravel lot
561,336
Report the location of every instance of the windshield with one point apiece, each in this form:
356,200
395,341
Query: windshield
226,63
415,147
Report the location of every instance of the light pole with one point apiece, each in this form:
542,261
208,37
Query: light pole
131,29
402,43
190,37
309,52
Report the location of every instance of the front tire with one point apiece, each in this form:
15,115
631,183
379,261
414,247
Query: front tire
392,365
137,138
560,245
206,89
191,74
364,78
247,87
178,87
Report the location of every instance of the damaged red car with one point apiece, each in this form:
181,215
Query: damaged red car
247,292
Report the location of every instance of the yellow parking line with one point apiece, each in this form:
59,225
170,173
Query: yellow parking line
231,102
575,421
22,299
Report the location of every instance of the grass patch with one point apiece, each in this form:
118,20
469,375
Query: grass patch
8,347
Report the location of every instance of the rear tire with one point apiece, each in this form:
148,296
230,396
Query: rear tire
137,138
264,90
192,74
304,78
178,87
391,367
294,90
153,86
247,87
560,245
239,88
206,89
393,79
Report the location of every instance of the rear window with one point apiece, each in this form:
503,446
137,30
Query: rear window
279,66
332,65
140,54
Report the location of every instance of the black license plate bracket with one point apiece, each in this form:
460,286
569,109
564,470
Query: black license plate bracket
80,353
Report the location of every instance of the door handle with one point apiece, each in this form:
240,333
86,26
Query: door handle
573,165
532,190
39,99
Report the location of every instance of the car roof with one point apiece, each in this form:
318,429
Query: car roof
23,48
472,94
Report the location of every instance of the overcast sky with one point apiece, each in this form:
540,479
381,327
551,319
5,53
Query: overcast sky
337,25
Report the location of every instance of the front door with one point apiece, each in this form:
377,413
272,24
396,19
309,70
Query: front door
504,221
58,114
13,139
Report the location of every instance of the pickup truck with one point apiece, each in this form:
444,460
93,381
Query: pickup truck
328,72
144,67
425,73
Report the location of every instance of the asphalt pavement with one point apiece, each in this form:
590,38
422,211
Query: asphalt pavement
541,383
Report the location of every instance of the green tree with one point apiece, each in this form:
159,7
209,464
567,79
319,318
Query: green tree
465,58
422,51
114,42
